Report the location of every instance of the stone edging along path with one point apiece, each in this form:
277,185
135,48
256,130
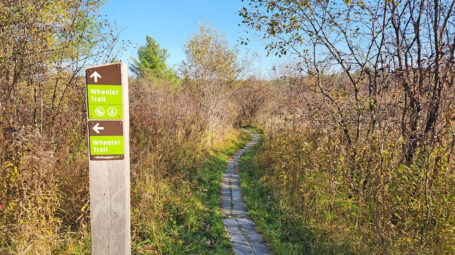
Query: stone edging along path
241,231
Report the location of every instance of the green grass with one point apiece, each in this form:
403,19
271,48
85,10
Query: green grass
193,224
255,130
283,227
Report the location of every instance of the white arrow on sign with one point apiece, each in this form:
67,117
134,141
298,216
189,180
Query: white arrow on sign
97,128
95,75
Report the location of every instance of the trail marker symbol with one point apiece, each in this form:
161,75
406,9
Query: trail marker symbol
112,111
109,159
105,95
99,111
97,128
95,76
106,140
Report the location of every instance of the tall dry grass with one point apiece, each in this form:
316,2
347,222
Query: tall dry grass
364,195
44,203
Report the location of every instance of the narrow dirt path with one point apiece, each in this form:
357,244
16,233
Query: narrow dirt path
241,231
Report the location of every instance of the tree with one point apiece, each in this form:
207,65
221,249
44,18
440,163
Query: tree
44,46
210,69
152,61
383,71
210,57
376,45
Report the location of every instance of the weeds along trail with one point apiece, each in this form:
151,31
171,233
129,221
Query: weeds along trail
300,191
44,202
358,148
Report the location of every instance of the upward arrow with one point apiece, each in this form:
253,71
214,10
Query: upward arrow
95,75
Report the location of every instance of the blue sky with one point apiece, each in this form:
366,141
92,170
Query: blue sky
171,22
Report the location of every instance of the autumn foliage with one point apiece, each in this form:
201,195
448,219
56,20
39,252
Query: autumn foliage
358,130
359,134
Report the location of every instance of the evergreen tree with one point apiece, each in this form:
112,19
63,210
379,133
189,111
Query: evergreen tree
151,61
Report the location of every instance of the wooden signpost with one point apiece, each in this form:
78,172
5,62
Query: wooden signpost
109,158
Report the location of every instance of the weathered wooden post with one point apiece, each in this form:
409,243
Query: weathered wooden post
109,158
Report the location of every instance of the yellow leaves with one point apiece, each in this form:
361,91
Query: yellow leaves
8,209
209,56
10,171
9,164
85,206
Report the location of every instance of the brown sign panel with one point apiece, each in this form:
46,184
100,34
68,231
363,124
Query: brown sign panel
105,128
104,75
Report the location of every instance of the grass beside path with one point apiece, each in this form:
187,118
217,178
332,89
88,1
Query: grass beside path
264,209
193,224
283,227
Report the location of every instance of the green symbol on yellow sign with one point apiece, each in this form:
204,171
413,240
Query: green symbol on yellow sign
105,101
